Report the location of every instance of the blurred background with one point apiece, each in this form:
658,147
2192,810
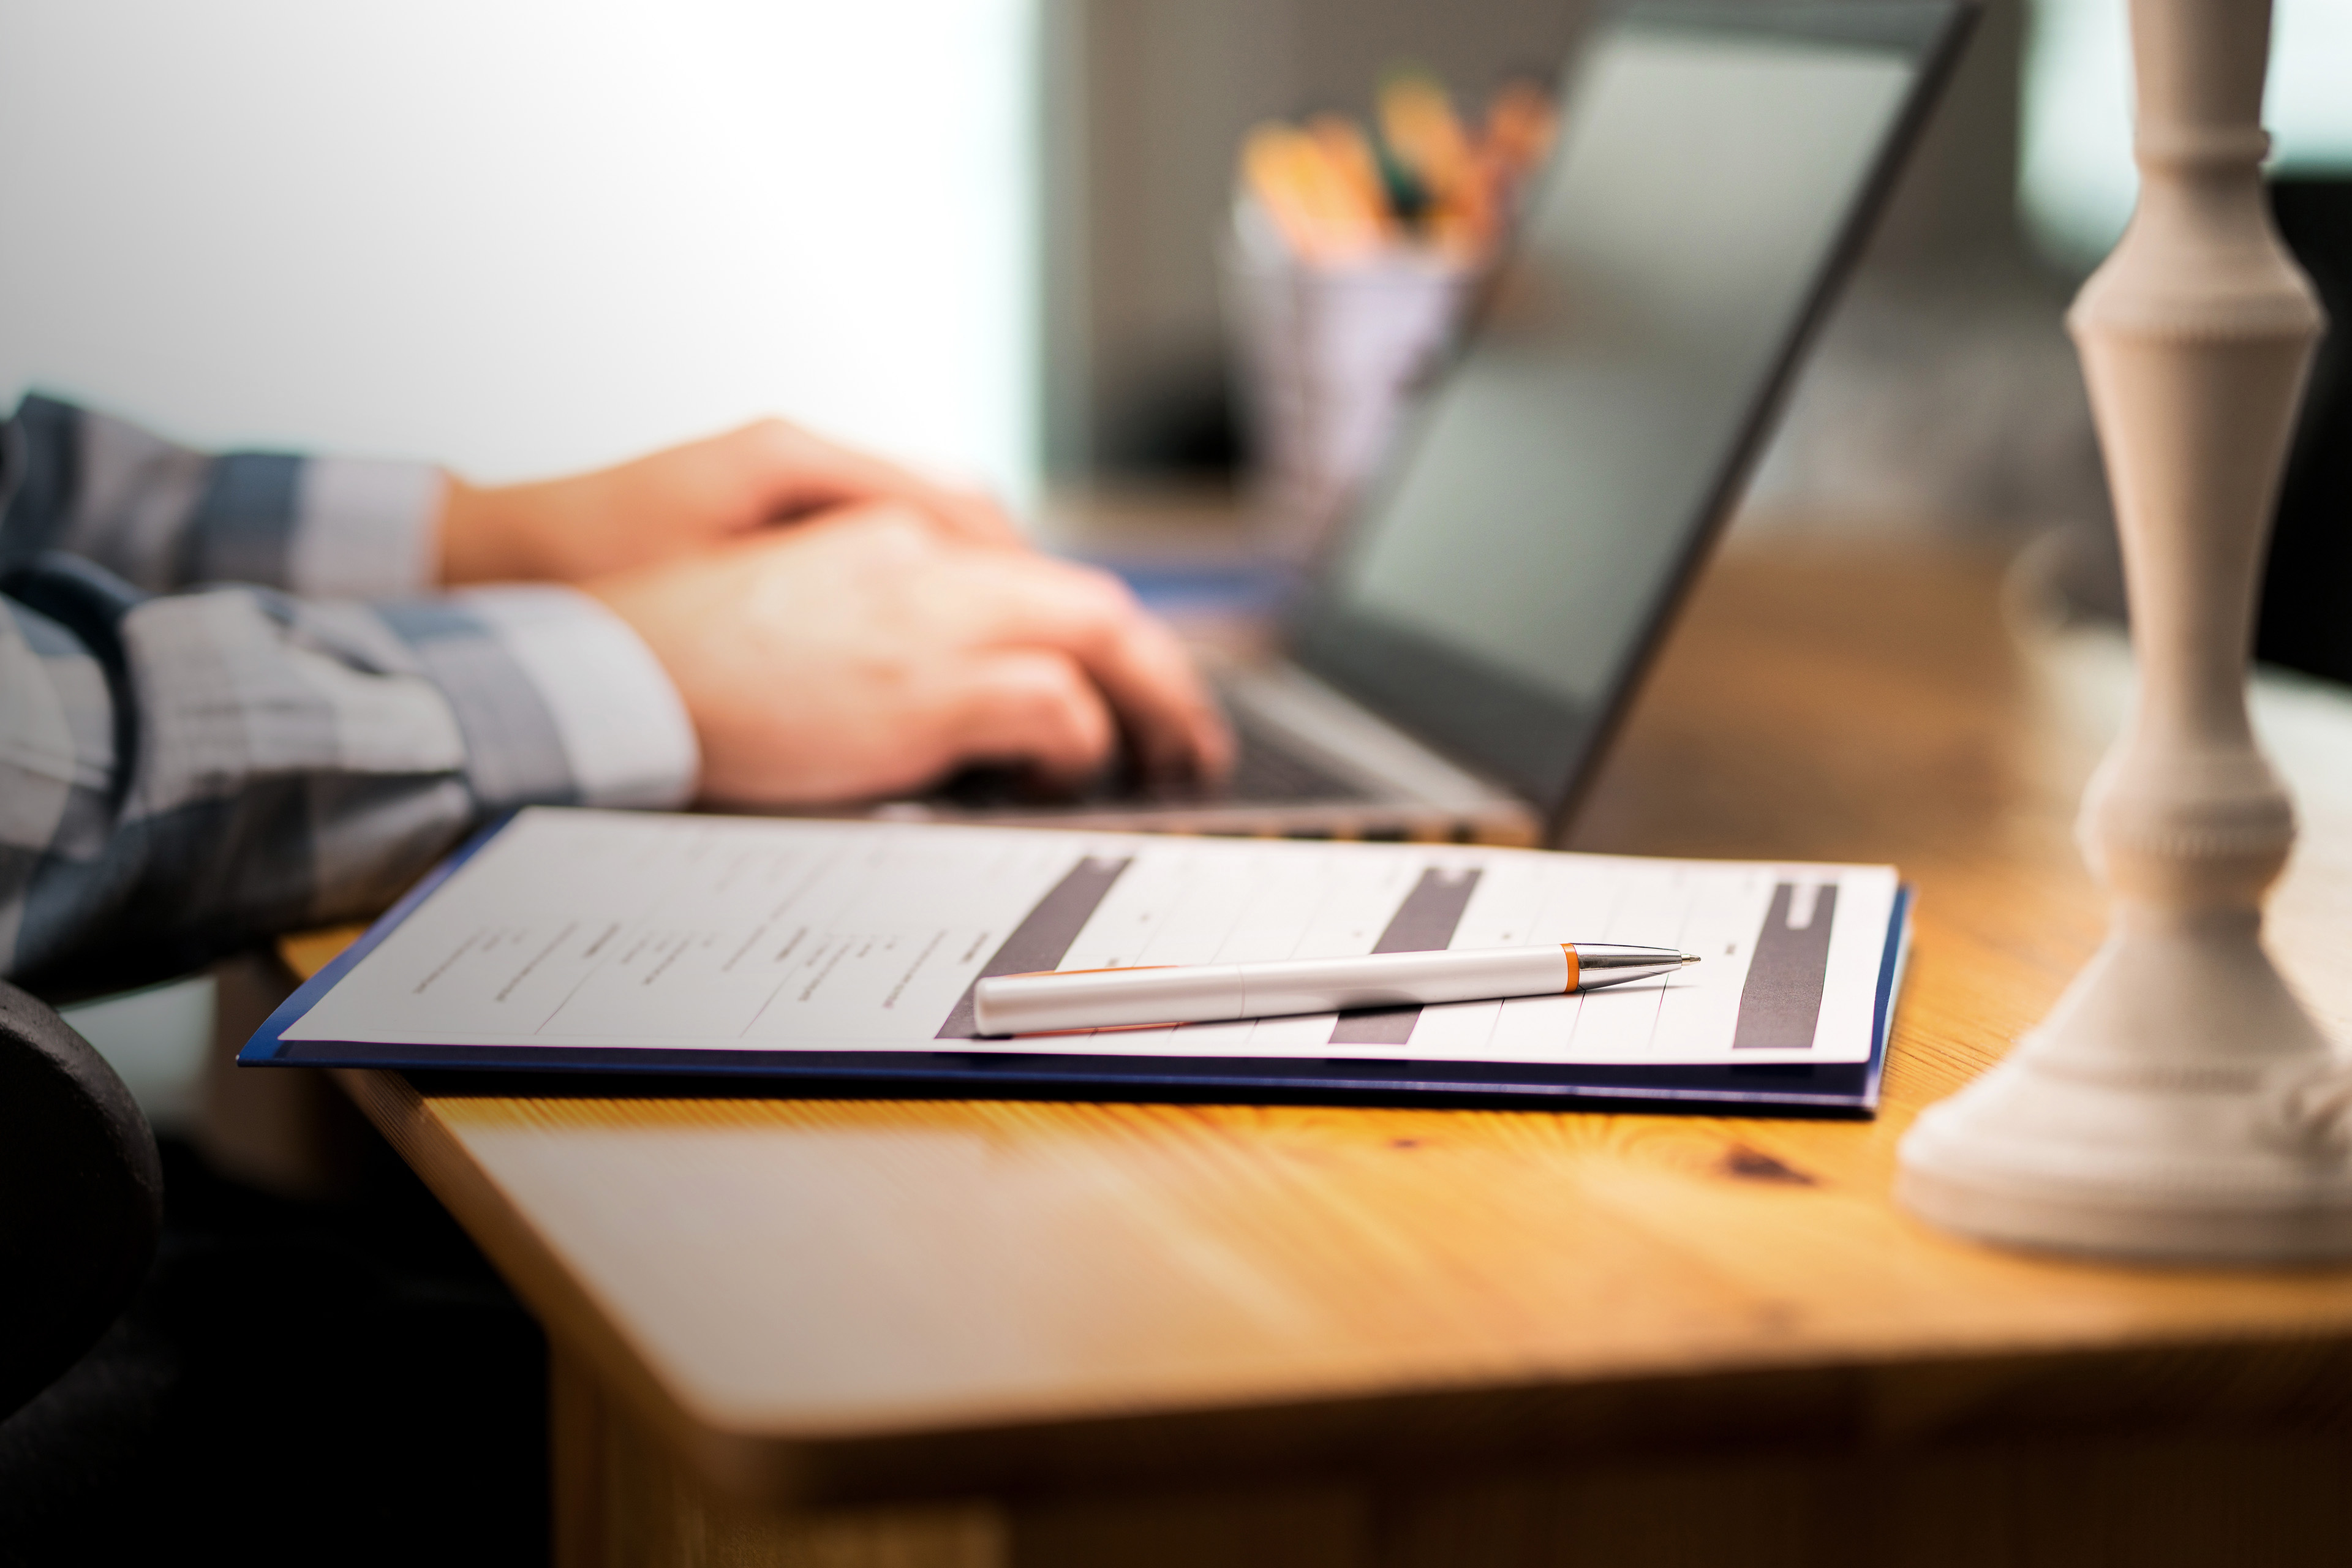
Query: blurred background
525,236
1943,394
980,234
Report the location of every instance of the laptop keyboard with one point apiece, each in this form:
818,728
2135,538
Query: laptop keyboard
1266,769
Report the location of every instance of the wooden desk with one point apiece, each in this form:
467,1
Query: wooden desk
852,1331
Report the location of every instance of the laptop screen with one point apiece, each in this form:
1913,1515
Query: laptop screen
1504,582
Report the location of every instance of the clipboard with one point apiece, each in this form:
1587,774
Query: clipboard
1766,1087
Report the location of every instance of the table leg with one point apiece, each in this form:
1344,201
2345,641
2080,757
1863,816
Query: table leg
622,1500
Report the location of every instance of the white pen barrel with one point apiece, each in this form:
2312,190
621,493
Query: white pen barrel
1035,1003
1105,998
1401,980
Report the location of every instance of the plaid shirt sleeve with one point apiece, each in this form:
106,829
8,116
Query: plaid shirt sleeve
183,772
163,516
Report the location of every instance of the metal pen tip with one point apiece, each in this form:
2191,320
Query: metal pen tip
1690,958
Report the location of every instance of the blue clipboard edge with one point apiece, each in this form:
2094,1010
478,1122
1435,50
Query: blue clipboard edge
268,1046
1839,1089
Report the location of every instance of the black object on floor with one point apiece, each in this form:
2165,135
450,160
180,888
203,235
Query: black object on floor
347,1383
2307,603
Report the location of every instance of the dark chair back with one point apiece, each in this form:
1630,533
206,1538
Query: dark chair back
82,1196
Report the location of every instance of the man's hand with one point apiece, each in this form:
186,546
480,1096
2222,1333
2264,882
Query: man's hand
869,652
686,499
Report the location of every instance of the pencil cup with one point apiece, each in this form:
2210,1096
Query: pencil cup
1328,358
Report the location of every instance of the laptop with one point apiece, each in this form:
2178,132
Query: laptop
1457,665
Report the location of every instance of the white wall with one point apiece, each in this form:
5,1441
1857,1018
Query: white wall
524,236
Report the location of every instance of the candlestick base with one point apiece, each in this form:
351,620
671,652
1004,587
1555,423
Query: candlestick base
2179,1106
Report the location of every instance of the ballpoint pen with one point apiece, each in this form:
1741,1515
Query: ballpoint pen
1216,992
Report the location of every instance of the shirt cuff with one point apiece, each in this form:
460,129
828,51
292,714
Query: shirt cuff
364,530
623,732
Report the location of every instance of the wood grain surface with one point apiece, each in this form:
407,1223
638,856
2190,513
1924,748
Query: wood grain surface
834,1301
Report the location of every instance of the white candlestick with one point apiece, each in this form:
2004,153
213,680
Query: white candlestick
2178,1103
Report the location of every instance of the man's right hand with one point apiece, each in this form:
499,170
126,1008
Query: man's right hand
868,653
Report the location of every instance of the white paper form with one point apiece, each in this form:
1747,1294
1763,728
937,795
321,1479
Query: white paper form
586,929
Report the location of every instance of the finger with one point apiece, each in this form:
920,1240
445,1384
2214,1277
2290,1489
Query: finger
1089,615
800,472
1030,706
1177,728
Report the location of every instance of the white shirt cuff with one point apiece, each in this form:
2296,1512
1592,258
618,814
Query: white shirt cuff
623,725
365,529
